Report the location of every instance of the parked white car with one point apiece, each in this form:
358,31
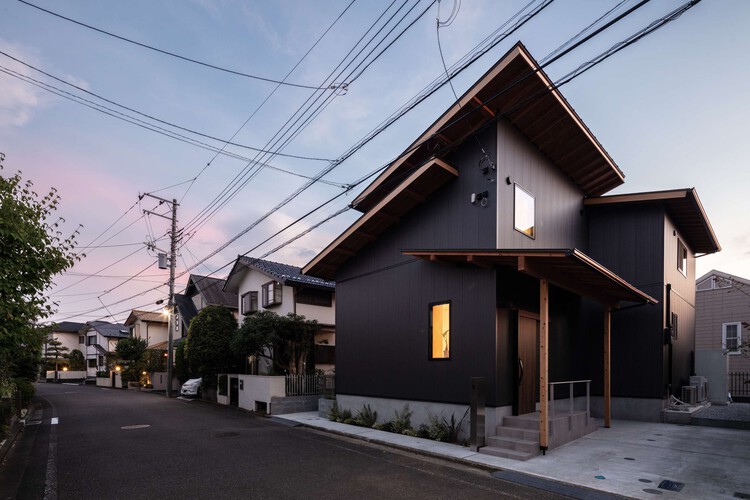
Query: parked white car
191,387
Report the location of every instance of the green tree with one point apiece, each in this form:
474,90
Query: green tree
287,341
208,351
180,362
131,351
32,251
56,354
76,360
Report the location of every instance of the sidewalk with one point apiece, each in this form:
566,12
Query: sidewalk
632,459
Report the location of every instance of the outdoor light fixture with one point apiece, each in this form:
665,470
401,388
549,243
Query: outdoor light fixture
117,368
65,368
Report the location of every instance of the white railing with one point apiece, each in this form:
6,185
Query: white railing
571,398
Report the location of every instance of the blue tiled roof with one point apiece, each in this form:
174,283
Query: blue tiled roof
116,330
286,274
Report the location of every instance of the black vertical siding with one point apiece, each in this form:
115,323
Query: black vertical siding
629,240
383,297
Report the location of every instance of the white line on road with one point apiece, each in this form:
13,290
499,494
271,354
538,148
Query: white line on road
54,421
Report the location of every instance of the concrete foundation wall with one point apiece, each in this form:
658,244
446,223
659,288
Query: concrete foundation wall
714,365
255,389
644,410
422,410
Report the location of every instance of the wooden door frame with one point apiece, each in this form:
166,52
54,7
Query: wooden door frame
521,313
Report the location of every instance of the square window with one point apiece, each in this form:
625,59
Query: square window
731,337
272,293
682,256
523,220
249,303
440,331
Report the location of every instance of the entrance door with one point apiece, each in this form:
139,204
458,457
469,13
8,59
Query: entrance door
527,393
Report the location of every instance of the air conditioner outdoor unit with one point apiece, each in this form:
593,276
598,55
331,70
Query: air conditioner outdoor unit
689,394
700,383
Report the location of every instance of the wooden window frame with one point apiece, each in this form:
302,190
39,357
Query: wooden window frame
517,188
430,338
252,305
277,289
682,257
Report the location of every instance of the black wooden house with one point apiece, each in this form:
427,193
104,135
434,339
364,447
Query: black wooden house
487,249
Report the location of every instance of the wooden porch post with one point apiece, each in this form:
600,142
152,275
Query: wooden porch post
543,364
607,371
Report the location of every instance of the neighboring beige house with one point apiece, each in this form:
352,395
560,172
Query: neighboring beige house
722,316
150,326
282,288
201,291
100,339
67,333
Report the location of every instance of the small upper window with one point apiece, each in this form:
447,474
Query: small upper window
249,303
714,282
524,212
271,293
682,257
440,331
731,336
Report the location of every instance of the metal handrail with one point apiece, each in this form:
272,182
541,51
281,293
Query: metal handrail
570,397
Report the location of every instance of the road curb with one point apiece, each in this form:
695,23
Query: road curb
16,425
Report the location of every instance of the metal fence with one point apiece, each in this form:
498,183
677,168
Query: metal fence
739,384
310,385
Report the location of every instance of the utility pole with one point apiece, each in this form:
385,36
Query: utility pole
170,304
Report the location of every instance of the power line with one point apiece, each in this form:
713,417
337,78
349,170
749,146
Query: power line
178,56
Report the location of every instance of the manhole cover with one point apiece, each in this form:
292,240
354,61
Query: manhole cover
137,426
671,485
226,434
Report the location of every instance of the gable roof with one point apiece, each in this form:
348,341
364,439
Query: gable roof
515,89
67,327
684,208
724,275
150,316
186,308
114,330
212,290
518,90
284,273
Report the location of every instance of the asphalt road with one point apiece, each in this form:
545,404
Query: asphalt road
96,443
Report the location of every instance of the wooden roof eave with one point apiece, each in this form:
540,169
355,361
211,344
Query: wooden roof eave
418,186
570,269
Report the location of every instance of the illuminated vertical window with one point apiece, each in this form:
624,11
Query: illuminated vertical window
440,331
524,212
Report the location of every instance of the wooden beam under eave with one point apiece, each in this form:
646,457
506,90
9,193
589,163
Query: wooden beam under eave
483,106
543,364
414,195
607,367
472,259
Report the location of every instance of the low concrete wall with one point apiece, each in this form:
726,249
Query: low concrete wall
640,409
66,375
293,404
103,382
324,407
421,411
257,391
159,381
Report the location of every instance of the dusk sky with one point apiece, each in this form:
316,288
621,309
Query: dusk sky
670,109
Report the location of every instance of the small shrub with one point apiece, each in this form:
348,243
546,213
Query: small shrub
345,415
409,432
436,430
26,388
402,421
453,427
333,413
102,374
423,432
367,417
385,426
349,421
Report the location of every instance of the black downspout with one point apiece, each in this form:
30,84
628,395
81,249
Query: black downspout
668,336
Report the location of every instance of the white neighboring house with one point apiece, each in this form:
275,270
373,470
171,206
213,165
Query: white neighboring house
67,333
100,339
281,288
150,326
200,292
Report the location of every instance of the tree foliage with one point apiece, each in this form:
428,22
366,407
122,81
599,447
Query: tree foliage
208,351
33,250
57,353
131,351
287,341
76,360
